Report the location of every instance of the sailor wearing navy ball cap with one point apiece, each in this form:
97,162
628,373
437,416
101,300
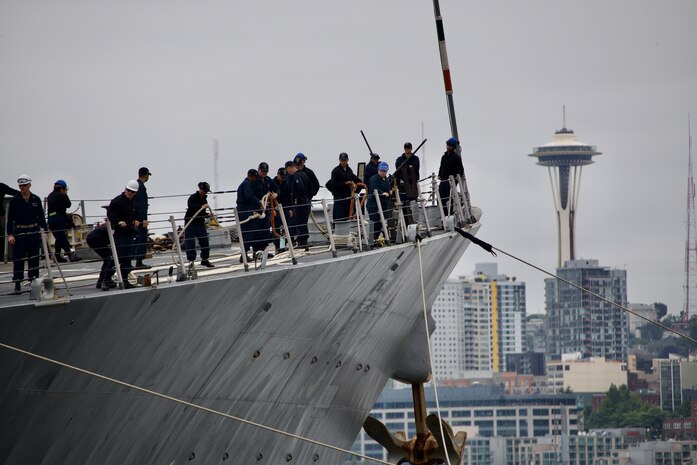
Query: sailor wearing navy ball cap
248,203
301,189
310,174
265,185
343,182
450,165
381,184
59,221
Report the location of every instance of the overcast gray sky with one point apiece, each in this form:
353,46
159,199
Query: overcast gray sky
91,90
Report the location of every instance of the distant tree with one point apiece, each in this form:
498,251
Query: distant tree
661,310
651,332
624,409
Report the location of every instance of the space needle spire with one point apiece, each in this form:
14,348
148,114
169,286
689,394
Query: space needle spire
564,158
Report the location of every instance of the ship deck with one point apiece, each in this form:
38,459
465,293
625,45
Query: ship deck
76,279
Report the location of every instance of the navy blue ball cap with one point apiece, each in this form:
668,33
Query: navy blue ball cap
298,160
264,166
343,156
301,155
374,156
452,142
289,163
143,171
252,172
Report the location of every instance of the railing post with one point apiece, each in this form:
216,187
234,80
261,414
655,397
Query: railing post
328,223
441,208
115,256
44,243
241,239
455,195
400,218
434,190
421,202
382,216
47,256
465,200
178,247
289,240
359,222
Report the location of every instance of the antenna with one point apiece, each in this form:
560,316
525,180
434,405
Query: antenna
563,117
690,304
216,188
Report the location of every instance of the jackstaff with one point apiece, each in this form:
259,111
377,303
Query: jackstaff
446,69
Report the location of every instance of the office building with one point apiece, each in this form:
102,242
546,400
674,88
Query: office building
579,322
479,321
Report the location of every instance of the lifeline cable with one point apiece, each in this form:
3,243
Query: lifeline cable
430,355
491,248
189,404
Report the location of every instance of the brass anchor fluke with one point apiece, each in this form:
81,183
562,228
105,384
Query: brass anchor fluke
424,449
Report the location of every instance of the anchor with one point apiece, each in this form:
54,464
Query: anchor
427,447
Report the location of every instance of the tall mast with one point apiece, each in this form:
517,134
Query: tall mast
446,69
451,105
690,304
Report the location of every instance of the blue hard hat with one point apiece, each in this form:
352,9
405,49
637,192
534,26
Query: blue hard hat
301,156
383,166
61,183
452,142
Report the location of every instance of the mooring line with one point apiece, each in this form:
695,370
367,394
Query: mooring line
189,404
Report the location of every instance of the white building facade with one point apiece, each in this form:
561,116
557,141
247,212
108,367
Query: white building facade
479,320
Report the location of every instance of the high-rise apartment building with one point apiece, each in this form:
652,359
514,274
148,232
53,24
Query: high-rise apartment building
479,321
579,322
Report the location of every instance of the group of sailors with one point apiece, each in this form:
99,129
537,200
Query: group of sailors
294,187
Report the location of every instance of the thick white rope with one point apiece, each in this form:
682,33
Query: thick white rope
189,404
430,354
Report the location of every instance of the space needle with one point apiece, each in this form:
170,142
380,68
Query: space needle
564,158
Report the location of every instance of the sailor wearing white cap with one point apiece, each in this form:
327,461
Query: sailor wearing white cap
25,215
122,216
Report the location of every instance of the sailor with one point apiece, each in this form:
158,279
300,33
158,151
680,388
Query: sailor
381,184
247,204
265,186
310,174
283,199
371,168
98,240
195,217
25,215
5,190
122,216
141,206
59,221
450,165
301,188
343,183
407,176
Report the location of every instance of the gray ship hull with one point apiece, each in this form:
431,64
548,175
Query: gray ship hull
305,349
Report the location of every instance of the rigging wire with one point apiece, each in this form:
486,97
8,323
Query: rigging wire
430,354
192,405
492,248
